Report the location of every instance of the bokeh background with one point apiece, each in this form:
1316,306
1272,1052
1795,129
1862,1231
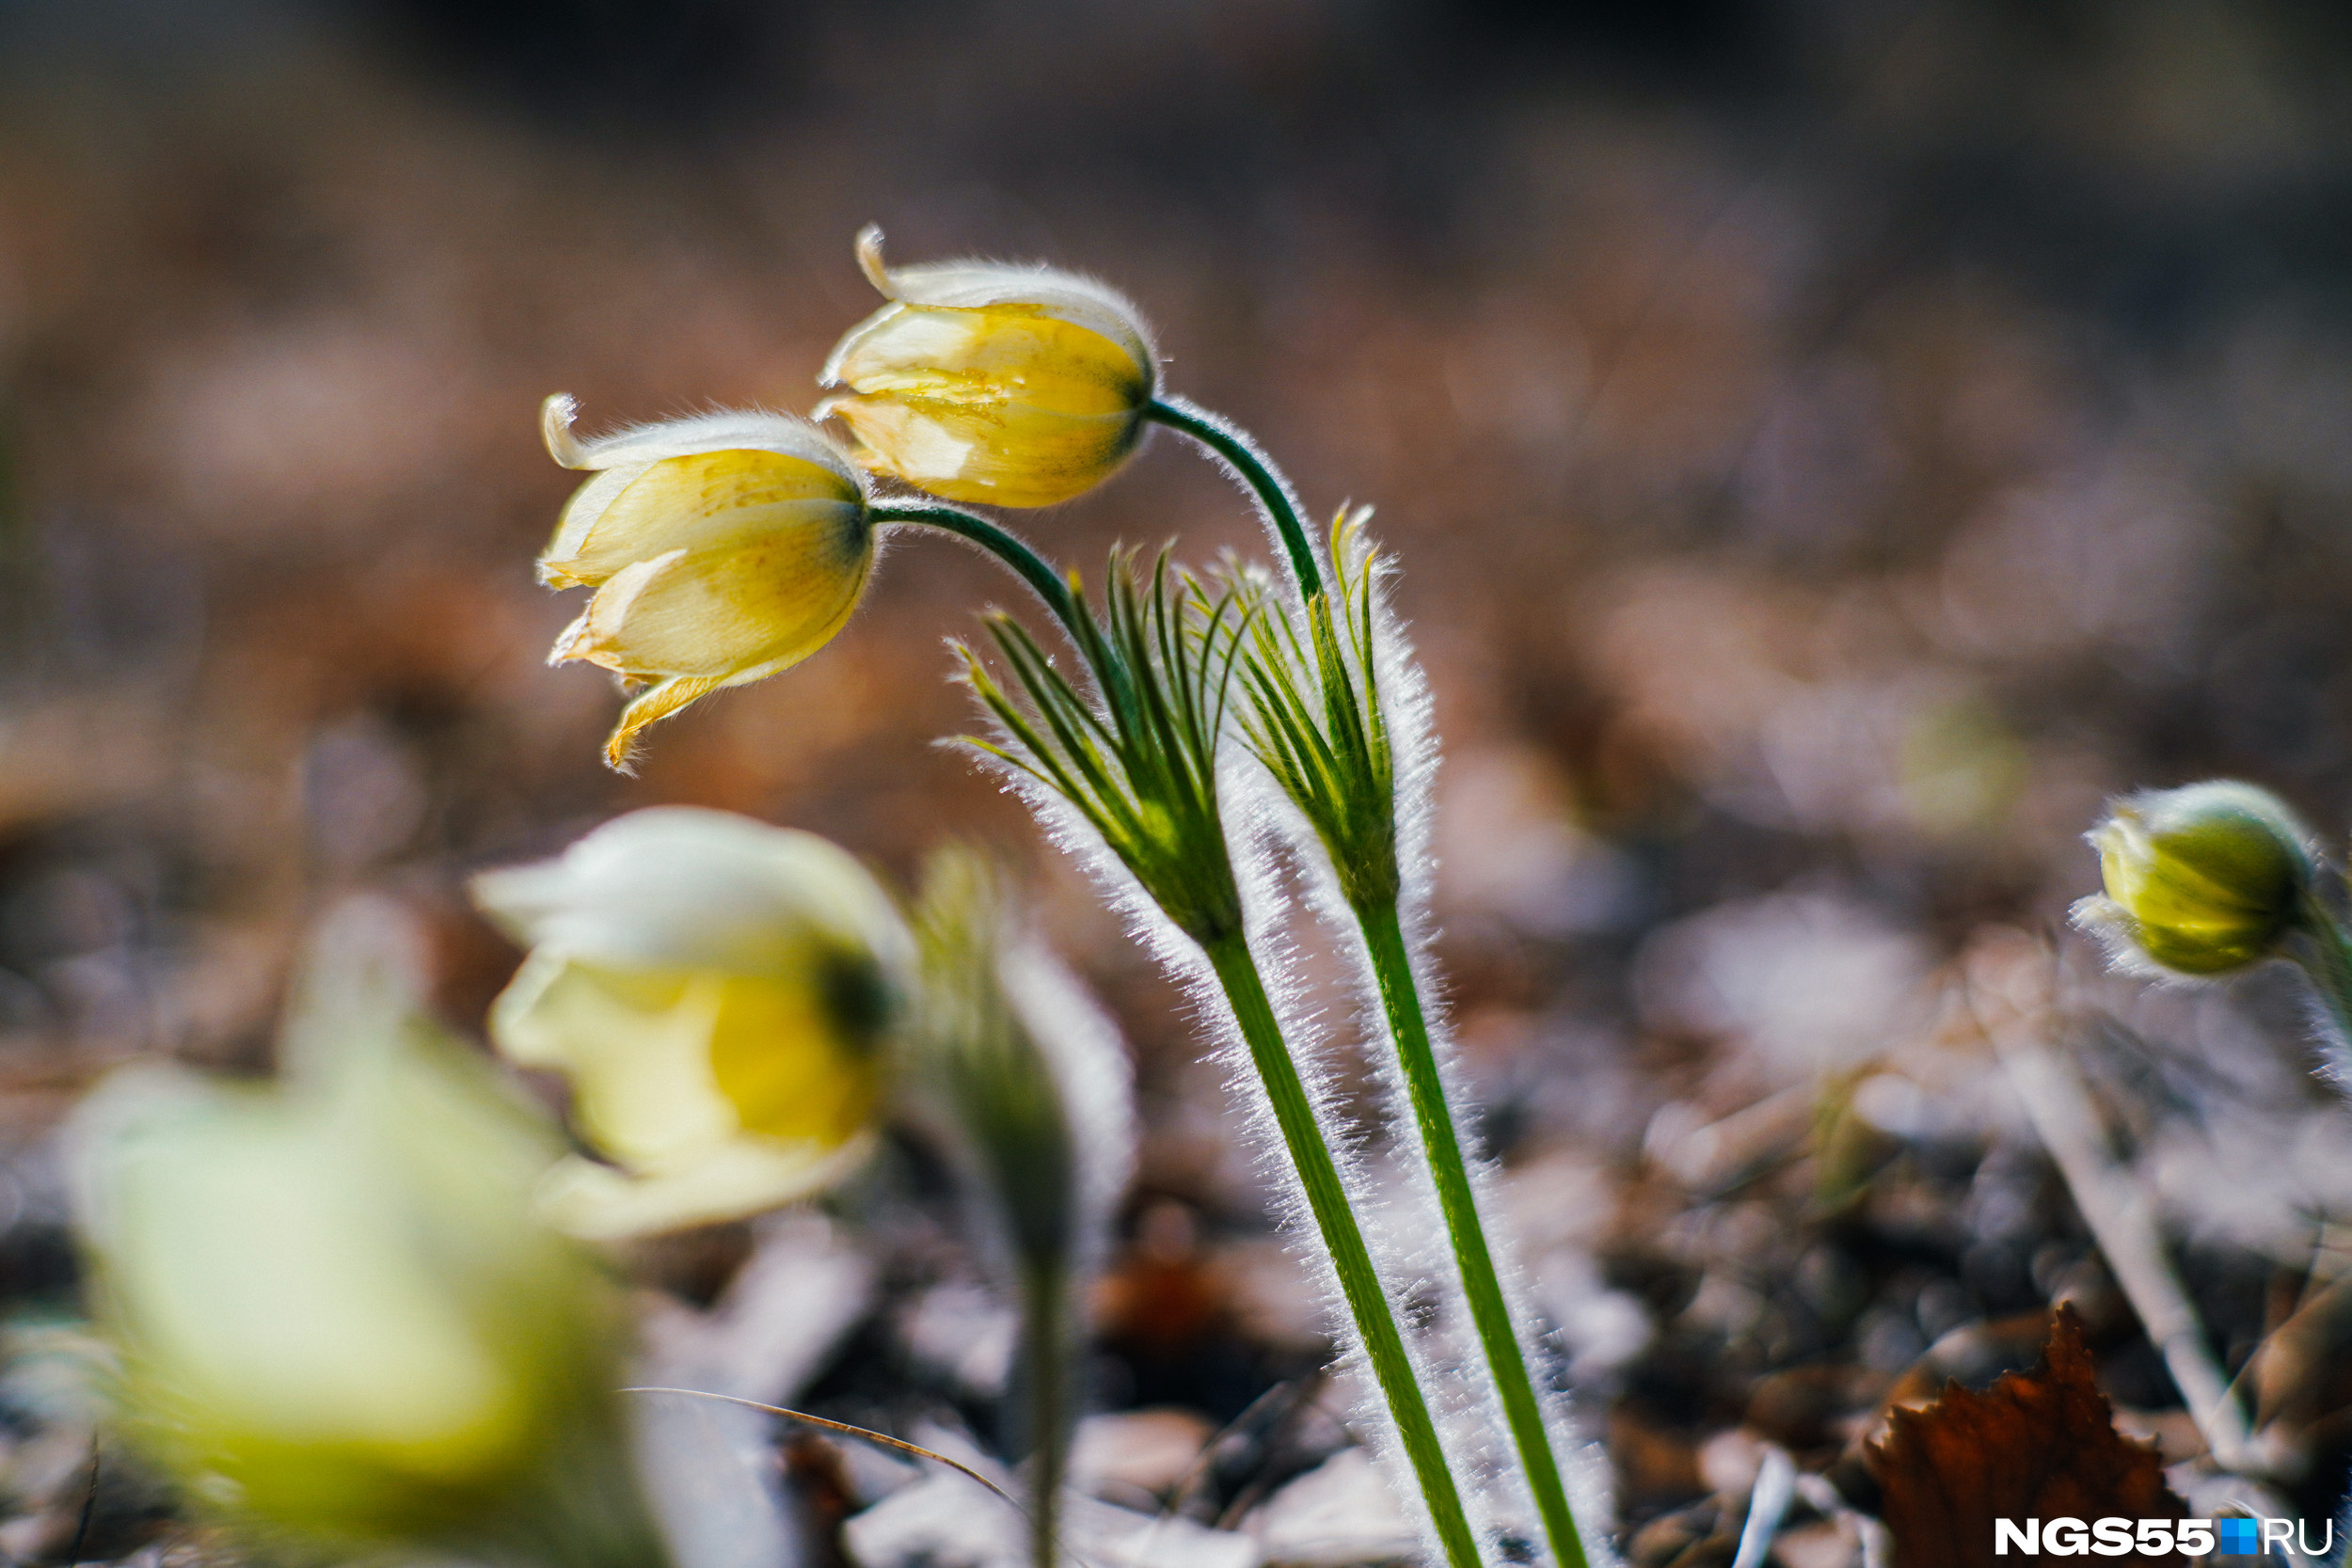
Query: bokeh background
1830,446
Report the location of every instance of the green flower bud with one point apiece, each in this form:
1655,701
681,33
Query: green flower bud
2200,880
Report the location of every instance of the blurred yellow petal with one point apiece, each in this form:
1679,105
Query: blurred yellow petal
340,1320
717,992
600,1203
265,1347
668,1068
785,1064
682,888
635,1048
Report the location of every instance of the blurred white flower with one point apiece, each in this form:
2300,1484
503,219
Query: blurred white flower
340,1320
718,991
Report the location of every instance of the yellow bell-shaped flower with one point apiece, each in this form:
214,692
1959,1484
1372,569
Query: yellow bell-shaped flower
718,991
2200,880
342,1324
722,548
1005,386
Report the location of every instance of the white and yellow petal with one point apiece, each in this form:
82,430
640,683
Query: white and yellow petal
723,548
1006,453
1069,296
714,1096
598,1202
685,887
716,992
338,1317
705,478
1002,385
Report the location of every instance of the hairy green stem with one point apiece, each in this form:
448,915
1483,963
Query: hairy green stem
2325,956
1256,471
1025,564
1384,938
1310,1156
1046,1357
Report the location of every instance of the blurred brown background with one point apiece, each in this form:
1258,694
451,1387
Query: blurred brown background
1830,445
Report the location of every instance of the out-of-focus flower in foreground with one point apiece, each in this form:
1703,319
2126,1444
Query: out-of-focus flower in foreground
718,991
341,1324
1006,386
2200,880
722,548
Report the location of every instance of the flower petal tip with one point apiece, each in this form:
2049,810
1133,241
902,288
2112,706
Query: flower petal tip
870,260
556,428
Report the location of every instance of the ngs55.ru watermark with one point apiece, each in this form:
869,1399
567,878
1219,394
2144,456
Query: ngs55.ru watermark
2064,1536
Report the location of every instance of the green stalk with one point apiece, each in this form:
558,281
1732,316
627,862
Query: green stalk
1310,1156
1024,563
1256,471
2325,956
1043,1311
1384,938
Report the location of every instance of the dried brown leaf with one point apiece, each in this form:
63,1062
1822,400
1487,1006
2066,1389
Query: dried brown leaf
2037,1444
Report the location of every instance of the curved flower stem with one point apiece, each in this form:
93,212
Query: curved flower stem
1024,563
2325,956
1310,1156
1384,939
1256,471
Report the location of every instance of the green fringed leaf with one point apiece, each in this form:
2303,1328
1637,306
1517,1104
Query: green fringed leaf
1315,721
1136,756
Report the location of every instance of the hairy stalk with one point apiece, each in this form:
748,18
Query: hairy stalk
1409,1027
1326,1198
1257,472
1137,760
2325,956
1024,563
1029,1096
1317,724
1046,1357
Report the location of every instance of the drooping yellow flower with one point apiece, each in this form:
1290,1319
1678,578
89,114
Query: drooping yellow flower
722,548
1006,386
342,1324
718,991
2200,880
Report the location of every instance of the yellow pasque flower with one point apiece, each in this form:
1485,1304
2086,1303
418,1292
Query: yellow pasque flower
342,1324
722,548
718,991
2202,880
1007,386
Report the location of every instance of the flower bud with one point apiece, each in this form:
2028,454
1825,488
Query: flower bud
342,1325
2200,880
722,548
1006,386
1026,1085
717,992
1018,1072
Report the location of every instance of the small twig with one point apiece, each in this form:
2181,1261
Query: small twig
90,1507
899,1444
2115,1209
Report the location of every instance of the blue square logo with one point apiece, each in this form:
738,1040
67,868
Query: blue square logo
2237,1538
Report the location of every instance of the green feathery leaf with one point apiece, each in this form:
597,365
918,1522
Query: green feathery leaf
1315,720
1136,756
